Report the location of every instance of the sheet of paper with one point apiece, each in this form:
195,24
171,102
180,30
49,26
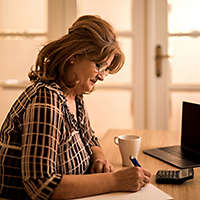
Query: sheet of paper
149,192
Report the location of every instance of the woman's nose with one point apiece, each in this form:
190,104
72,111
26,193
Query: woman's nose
100,76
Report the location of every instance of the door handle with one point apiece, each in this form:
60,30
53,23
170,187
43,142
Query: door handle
158,60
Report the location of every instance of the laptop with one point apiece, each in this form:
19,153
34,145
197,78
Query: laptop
186,155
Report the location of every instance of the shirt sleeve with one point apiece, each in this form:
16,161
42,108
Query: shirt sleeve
42,127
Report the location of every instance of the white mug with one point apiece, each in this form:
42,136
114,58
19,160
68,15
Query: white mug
129,145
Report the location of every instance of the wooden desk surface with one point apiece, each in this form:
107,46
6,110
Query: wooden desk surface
190,190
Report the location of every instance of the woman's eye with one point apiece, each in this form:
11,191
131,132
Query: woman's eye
98,65
107,69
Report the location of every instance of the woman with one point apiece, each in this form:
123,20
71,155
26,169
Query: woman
47,147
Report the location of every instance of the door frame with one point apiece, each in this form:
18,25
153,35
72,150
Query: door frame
157,87
139,64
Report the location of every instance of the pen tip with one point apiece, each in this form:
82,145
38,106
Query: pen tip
131,157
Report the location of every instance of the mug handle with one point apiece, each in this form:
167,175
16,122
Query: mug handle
116,140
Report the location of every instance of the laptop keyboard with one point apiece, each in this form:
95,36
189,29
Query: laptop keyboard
177,151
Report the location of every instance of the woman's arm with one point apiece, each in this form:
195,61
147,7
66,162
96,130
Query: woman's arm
76,186
41,132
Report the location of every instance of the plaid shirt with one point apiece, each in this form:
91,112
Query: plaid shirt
40,141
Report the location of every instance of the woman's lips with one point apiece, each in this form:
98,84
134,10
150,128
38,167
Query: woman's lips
93,81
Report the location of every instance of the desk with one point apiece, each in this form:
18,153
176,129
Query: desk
150,139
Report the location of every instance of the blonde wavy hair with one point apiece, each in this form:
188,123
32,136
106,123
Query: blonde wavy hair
89,37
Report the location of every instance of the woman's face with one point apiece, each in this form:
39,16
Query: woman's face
88,74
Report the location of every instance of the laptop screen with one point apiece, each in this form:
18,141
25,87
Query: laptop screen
190,138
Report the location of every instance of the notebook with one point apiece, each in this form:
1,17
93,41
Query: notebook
149,192
187,154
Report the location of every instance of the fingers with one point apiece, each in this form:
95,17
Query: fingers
101,166
146,179
111,168
106,168
142,177
146,176
97,167
146,173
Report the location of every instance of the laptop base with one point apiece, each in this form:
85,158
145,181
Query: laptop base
168,155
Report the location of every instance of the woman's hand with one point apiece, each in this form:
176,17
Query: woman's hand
99,163
101,166
131,179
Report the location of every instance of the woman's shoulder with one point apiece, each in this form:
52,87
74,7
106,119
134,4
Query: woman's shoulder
42,90
37,93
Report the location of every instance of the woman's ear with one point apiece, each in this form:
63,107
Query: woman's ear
72,61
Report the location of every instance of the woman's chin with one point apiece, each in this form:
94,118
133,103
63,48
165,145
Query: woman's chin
90,89
87,90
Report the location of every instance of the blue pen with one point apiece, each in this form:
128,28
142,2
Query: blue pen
134,161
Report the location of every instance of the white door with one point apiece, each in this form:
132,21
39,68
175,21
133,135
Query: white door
23,29
157,78
175,26
23,32
184,45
